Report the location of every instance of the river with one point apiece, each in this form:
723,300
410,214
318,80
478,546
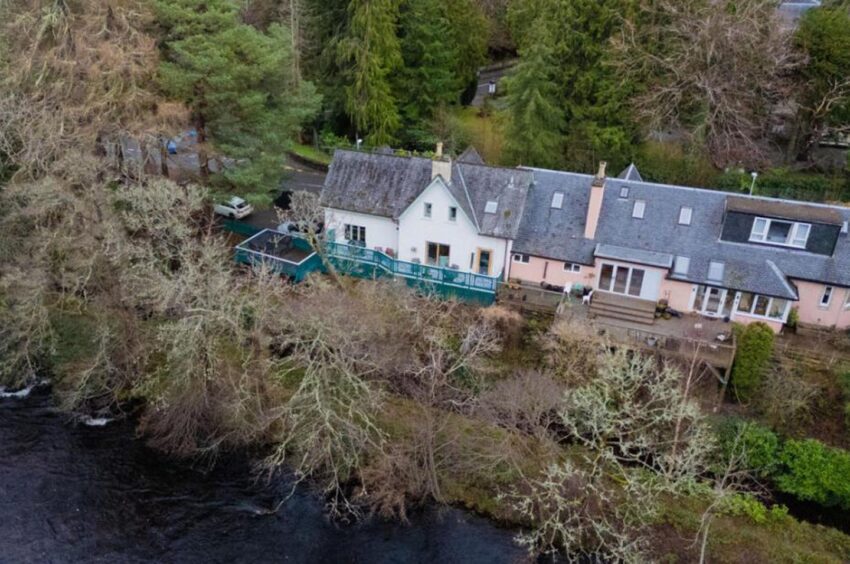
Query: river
73,493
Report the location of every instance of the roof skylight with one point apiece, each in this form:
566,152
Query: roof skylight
491,207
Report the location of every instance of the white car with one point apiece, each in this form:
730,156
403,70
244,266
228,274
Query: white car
234,208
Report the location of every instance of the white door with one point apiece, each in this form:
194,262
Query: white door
712,301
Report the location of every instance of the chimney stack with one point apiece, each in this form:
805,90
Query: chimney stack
441,166
594,207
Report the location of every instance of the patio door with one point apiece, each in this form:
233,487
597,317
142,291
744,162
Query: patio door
712,301
619,279
438,255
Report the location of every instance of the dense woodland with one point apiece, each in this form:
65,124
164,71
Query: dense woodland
117,286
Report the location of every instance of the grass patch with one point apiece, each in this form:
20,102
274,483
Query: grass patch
485,133
311,154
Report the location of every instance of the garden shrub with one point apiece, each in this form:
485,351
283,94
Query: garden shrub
815,472
670,163
785,183
747,505
755,346
758,444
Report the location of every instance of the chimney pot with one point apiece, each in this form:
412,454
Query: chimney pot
602,166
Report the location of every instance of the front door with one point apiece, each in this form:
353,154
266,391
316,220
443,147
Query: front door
712,301
438,255
485,257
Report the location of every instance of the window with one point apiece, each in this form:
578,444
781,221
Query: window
845,227
639,209
355,234
681,265
847,300
524,259
452,213
621,279
572,267
624,192
491,207
438,255
716,270
763,306
558,200
428,210
776,232
685,215
826,298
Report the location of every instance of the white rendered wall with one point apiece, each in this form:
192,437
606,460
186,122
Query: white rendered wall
416,231
381,232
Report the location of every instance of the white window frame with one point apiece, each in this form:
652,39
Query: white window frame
847,299
639,209
572,267
795,239
522,258
428,210
558,200
356,233
828,292
452,213
686,214
738,310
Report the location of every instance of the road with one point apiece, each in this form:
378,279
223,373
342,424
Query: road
298,177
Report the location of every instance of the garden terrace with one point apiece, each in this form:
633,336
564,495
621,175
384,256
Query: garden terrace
284,254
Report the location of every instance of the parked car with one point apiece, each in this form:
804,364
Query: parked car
234,208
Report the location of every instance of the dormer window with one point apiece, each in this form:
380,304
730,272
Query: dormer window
491,207
778,232
685,215
639,209
716,270
558,200
452,213
428,210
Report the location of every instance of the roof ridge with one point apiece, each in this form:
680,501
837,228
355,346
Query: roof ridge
469,199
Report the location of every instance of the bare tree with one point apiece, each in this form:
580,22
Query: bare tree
709,69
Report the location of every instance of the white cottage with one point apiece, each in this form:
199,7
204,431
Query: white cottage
461,215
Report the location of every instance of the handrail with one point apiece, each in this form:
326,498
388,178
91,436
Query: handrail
405,269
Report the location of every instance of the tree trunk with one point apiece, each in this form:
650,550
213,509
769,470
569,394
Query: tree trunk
203,158
163,157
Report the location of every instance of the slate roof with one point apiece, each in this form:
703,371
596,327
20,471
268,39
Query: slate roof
471,156
631,173
559,234
386,185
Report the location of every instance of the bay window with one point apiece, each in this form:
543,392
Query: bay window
763,306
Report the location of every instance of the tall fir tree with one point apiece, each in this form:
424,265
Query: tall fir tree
243,98
536,121
578,32
427,82
372,50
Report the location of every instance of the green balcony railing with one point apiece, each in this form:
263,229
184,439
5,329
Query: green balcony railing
360,261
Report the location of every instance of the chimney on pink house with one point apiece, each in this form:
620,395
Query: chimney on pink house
594,208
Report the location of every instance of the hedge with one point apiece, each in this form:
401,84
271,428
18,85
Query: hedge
755,346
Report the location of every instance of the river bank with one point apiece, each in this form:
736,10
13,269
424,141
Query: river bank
75,493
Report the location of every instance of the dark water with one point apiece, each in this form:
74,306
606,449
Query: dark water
81,494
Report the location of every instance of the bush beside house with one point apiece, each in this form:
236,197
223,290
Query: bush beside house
755,346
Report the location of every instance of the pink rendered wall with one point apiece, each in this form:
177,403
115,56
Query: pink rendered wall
811,311
533,273
677,294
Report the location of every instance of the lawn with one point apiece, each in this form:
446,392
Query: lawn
485,133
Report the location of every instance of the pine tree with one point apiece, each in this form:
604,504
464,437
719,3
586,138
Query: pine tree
428,81
372,50
536,120
179,19
239,86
